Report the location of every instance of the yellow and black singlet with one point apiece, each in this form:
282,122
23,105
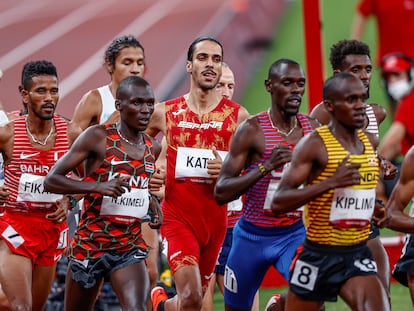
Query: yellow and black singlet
342,216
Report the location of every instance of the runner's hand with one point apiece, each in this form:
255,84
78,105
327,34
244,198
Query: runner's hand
347,174
157,180
157,217
60,214
214,165
4,194
114,187
281,154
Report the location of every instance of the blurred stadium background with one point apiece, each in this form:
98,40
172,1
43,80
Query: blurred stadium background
74,34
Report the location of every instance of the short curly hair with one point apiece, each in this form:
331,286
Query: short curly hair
346,47
36,68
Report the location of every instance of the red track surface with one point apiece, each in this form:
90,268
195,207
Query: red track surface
74,34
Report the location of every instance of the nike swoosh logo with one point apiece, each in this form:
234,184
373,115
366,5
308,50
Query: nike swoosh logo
27,156
176,113
115,162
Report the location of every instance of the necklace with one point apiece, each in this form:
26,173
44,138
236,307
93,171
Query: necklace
43,143
127,140
280,131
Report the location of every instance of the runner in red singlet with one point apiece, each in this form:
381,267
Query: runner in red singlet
198,127
225,87
33,227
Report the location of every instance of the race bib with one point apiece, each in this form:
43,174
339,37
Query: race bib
31,190
271,190
133,204
192,162
230,280
270,193
63,239
1,170
352,207
304,275
235,205
411,212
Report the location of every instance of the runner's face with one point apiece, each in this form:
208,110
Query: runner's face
350,103
206,66
130,62
137,106
42,96
360,66
286,86
225,87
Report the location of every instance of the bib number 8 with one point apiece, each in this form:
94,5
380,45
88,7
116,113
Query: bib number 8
304,275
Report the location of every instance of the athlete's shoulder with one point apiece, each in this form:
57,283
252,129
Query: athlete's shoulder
92,136
313,143
19,119
88,110
97,130
312,121
320,114
174,101
379,111
61,118
250,125
230,102
91,97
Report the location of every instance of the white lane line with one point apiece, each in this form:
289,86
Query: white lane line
141,24
21,11
53,32
214,26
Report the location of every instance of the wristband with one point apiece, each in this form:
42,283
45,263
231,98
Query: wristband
379,202
72,202
262,169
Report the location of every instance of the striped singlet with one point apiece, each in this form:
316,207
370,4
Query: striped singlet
25,173
258,197
321,226
372,126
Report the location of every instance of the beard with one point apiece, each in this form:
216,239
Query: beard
43,116
290,112
207,86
